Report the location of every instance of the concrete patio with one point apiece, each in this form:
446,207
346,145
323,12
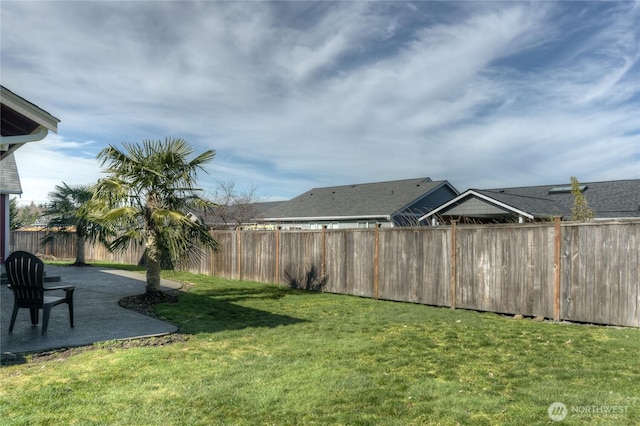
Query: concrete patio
97,315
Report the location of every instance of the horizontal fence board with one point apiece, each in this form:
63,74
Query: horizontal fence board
499,268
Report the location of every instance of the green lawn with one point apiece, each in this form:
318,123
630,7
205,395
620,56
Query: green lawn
260,354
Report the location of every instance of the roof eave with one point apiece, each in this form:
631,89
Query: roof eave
481,196
28,109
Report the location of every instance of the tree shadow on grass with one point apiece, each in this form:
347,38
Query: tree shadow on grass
221,310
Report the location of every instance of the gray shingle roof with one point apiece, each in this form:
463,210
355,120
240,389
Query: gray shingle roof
618,198
257,210
359,200
9,178
534,205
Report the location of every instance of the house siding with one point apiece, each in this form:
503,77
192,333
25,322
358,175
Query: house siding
4,227
433,200
333,224
475,206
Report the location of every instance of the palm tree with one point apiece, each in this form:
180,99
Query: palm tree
69,210
153,187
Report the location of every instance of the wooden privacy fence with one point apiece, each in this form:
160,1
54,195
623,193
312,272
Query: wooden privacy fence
585,272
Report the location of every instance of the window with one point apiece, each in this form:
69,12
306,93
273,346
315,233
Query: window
565,189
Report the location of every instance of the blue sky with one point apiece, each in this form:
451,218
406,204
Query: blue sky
297,95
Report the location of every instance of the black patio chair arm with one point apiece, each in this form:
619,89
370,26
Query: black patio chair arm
62,287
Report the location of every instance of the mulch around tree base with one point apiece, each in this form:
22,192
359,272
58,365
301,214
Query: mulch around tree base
142,303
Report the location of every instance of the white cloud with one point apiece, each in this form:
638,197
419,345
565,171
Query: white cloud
47,163
300,94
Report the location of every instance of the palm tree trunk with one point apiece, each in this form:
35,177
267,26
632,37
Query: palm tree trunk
153,266
80,250
153,275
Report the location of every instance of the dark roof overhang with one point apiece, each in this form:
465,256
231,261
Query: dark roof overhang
21,122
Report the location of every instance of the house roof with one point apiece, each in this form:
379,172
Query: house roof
9,178
535,206
21,117
22,122
365,200
617,198
607,199
214,217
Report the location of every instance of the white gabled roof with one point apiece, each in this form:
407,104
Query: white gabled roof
27,109
473,193
22,122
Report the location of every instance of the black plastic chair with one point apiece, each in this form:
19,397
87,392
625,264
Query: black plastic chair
25,273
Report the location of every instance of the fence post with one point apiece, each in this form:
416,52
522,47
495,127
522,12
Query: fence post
323,253
452,279
212,269
376,262
239,253
557,246
277,268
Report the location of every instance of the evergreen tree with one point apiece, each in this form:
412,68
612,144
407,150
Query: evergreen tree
580,210
14,219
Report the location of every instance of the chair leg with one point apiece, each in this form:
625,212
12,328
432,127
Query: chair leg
71,312
13,317
45,318
34,315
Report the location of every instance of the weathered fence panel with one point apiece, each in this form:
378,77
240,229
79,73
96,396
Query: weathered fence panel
223,263
32,242
414,265
257,254
585,272
601,273
300,253
506,269
349,262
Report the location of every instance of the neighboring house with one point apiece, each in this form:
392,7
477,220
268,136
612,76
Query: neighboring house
236,216
385,204
608,200
40,224
22,122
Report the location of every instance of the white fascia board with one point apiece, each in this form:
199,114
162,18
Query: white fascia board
9,144
29,110
37,135
323,218
481,196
